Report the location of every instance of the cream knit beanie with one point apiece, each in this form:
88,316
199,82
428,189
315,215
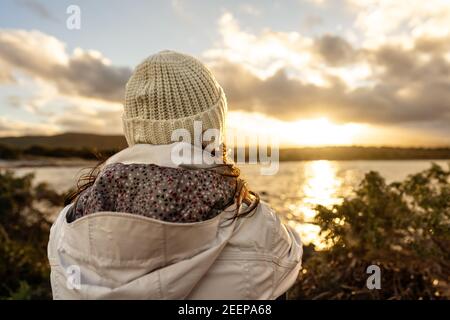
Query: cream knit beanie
169,91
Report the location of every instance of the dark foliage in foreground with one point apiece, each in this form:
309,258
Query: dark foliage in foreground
404,228
24,233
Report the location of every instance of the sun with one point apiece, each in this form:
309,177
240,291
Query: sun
305,132
321,132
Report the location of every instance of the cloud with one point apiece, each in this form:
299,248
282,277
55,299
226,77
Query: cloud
312,60
5,75
335,50
384,20
311,21
79,91
393,84
285,98
38,8
84,73
317,2
262,54
88,75
76,118
250,9
10,127
180,7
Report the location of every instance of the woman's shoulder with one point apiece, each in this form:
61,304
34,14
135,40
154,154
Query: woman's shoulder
263,230
265,217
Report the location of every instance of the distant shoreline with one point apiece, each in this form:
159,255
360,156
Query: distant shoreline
77,162
90,147
45,162
44,156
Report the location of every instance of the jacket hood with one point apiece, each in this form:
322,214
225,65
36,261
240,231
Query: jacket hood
123,255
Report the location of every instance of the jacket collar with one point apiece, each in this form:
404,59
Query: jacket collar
166,155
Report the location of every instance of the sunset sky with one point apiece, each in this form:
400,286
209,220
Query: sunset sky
311,72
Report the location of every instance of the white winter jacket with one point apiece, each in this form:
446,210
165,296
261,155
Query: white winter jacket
111,255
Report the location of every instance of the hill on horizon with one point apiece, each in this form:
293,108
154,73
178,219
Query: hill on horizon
68,140
76,141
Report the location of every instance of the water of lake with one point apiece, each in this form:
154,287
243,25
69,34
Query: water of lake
292,192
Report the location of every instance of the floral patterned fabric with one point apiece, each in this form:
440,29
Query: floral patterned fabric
168,194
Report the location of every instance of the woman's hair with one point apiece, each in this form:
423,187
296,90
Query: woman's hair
242,194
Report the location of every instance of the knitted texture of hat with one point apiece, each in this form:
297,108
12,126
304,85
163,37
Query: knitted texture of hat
169,91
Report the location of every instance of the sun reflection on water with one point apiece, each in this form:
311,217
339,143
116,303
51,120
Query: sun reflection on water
321,186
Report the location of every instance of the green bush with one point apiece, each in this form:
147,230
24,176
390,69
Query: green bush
24,234
404,228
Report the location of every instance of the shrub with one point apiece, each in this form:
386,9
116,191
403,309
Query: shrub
24,234
404,228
